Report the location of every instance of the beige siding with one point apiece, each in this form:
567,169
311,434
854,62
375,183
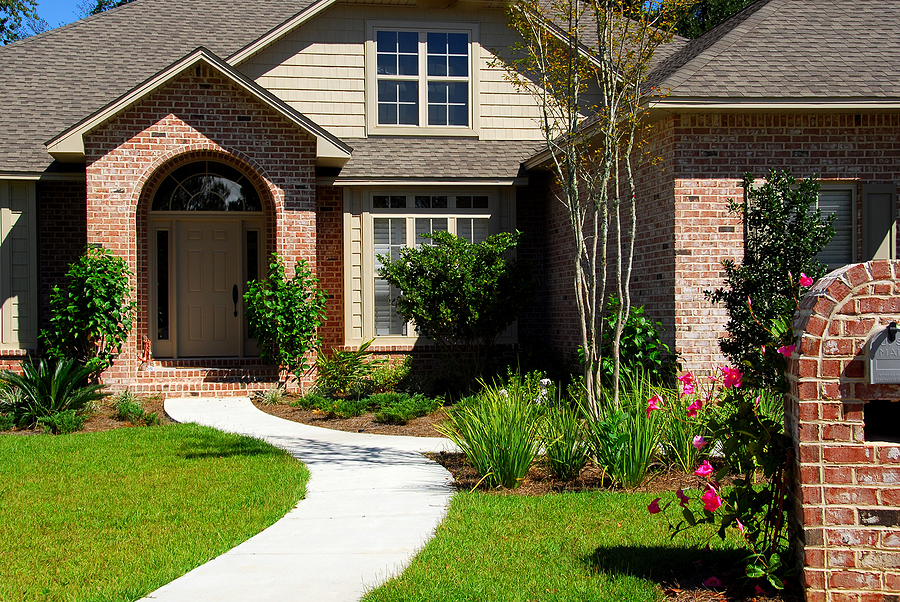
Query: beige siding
320,70
18,268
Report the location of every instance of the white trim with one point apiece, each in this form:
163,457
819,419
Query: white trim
688,103
43,176
69,145
372,126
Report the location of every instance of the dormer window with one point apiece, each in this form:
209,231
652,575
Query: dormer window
423,78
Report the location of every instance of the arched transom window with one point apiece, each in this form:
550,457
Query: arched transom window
206,186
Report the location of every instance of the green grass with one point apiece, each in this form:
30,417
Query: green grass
597,546
115,515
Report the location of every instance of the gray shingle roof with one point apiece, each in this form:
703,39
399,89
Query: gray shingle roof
436,158
54,80
792,49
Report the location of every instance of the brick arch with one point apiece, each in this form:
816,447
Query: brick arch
842,482
142,196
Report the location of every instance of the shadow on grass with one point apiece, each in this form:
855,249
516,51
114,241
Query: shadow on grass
663,564
208,443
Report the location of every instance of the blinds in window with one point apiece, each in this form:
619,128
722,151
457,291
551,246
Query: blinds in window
839,251
389,236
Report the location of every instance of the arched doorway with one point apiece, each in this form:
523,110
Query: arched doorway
206,241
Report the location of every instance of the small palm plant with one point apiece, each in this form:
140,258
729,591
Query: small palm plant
50,388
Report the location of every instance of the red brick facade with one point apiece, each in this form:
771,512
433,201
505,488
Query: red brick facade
847,488
198,115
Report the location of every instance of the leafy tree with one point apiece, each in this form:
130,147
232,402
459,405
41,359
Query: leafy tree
706,14
783,233
283,315
91,315
461,295
13,15
586,63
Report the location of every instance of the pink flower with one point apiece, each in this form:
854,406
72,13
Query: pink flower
704,470
699,442
654,508
739,525
687,383
731,377
653,404
682,498
805,280
693,408
786,350
712,582
711,500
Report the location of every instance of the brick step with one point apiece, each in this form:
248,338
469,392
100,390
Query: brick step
200,377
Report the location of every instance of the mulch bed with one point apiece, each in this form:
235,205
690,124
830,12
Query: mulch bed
104,419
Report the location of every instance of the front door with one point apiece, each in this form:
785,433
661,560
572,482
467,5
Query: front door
208,279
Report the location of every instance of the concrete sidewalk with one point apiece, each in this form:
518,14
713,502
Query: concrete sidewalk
372,501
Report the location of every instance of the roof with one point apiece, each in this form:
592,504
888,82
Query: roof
66,74
395,158
791,50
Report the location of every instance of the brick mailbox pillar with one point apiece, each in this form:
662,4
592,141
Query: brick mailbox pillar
846,435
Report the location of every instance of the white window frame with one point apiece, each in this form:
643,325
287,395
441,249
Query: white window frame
852,187
410,213
423,129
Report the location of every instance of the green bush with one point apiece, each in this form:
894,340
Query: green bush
50,388
461,295
62,423
271,397
310,401
498,430
128,407
784,232
400,408
641,349
626,441
7,422
565,440
283,315
91,316
347,373
388,377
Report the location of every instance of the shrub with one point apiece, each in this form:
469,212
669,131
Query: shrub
271,397
498,430
7,422
91,316
387,377
461,295
343,408
283,315
784,231
400,408
626,441
565,440
130,408
62,423
49,389
311,400
641,349
347,373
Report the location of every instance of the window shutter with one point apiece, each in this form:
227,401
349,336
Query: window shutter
838,202
18,266
879,217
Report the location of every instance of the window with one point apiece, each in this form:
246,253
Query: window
399,221
422,78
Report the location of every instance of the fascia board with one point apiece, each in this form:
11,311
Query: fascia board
372,182
673,104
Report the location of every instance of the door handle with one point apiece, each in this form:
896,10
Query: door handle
234,297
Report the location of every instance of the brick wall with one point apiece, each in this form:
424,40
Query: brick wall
198,115
847,489
330,252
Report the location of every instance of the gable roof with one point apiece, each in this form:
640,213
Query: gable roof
787,53
63,75
70,144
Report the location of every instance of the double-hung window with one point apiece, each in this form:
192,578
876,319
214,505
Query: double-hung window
423,78
402,220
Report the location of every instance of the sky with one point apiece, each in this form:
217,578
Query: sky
58,12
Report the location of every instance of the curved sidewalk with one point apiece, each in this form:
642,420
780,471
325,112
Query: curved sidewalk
371,503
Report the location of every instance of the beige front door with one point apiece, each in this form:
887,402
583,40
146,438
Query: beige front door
208,269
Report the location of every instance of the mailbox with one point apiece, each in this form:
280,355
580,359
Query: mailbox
883,353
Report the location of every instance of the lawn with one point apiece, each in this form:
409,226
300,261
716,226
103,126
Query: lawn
117,514
598,546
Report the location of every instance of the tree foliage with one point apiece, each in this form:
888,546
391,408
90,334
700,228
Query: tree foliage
91,315
461,295
586,63
706,14
14,15
95,7
784,231
283,315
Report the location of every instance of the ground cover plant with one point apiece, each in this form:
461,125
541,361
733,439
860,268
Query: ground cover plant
389,408
115,515
46,388
596,546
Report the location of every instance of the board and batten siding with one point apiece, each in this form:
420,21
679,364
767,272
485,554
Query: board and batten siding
319,70
18,265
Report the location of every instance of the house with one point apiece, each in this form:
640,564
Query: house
194,139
